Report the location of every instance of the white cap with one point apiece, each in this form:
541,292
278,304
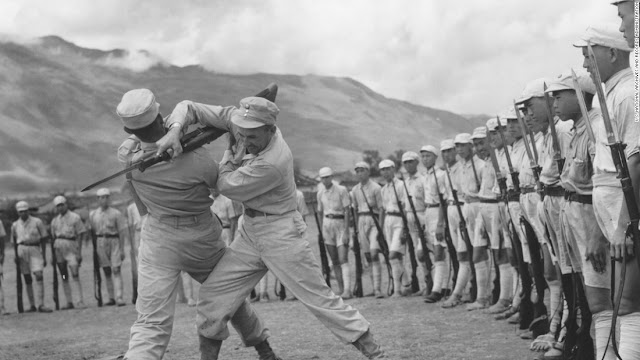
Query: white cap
509,114
22,206
606,34
59,200
447,144
362,165
534,88
386,163
103,192
410,155
492,123
429,148
138,108
479,133
463,138
565,82
325,171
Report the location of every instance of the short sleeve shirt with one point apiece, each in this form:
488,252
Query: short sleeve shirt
29,231
578,168
434,185
389,200
373,196
67,226
334,200
415,185
107,222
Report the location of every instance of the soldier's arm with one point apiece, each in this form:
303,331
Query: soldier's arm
247,182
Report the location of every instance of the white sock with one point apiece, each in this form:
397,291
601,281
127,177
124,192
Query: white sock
397,270
376,274
66,288
40,292
517,285
506,281
437,276
464,274
629,348
264,282
483,279
346,277
109,282
555,302
78,285
602,325
446,277
117,284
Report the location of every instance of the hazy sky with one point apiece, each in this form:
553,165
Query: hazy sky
463,56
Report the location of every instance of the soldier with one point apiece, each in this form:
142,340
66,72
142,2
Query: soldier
454,168
30,234
392,223
68,231
180,232
3,236
578,223
134,223
492,215
366,209
415,185
434,184
627,21
612,58
108,226
333,208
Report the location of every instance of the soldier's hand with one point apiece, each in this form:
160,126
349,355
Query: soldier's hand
597,248
170,142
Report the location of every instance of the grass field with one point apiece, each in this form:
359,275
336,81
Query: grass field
407,328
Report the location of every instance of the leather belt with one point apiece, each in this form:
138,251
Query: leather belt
23,244
72,238
226,226
575,197
527,189
182,220
429,206
393,213
334,216
108,235
452,202
489,201
253,213
367,213
554,191
472,199
513,196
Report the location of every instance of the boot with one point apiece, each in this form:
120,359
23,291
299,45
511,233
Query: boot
368,346
209,348
265,352
433,297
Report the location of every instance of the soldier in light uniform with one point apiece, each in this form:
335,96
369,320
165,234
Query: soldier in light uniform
68,232
434,183
392,223
612,57
494,217
415,184
3,236
110,229
30,234
448,151
257,170
333,208
627,21
367,231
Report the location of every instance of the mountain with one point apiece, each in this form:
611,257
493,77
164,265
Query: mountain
59,130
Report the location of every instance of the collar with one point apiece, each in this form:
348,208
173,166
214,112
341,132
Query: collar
614,80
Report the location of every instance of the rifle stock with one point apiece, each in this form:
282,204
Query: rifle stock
447,232
357,289
324,260
54,263
97,278
18,278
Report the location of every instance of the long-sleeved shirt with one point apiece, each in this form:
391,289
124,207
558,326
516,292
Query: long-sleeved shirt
620,97
373,196
29,231
578,167
262,182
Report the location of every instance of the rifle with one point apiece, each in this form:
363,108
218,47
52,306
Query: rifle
189,142
514,174
447,232
18,277
97,278
557,156
531,150
382,243
428,278
324,260
357,289
54,261
134,261
415,286
620,161
465,235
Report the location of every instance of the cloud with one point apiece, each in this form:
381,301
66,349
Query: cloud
468,58
133,60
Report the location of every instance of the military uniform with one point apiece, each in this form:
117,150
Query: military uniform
332,203
108,225
68,230
367,231
225,211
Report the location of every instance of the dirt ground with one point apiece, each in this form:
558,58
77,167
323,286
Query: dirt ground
407,328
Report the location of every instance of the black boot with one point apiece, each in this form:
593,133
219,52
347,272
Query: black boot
265,351
433,297
209,348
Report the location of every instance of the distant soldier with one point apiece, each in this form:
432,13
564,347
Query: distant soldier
333,208
108,225
365,194
434,184
612,57
392,223
67,232
134,224
3,236
415,185
30,234
627,22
